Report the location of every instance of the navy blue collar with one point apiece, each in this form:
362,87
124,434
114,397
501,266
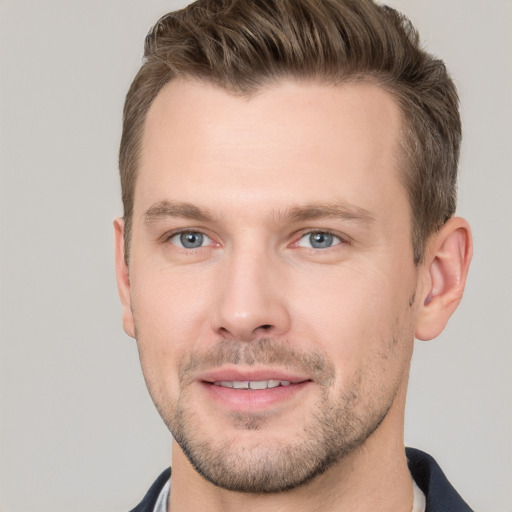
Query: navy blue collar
439,493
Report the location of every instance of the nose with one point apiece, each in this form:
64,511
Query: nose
251,298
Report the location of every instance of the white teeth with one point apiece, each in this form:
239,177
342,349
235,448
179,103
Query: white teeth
259,384
254,384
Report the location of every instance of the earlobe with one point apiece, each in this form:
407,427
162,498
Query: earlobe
123,278
446,265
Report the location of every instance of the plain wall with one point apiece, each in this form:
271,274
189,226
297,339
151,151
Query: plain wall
78,430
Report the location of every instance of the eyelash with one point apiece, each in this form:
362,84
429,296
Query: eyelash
340,240
337,239
169,237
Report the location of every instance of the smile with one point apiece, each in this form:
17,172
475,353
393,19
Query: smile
252,384
253,391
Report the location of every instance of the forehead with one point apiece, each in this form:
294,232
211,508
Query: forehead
302,142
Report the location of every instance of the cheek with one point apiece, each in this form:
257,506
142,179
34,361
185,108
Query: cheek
169,301
170,319
356,312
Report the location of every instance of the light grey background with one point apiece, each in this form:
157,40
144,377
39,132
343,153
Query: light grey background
78,430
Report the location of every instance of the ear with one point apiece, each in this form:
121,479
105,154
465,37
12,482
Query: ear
123,279
446,265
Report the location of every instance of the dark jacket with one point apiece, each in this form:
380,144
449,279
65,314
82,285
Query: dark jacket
440,495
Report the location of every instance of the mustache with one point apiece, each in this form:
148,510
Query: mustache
263,351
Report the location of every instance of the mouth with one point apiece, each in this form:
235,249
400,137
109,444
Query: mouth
253,391
253,384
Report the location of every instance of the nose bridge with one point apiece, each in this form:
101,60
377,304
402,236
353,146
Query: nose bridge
250,301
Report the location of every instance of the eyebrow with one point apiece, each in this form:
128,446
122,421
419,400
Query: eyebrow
341,211
312,211
165,209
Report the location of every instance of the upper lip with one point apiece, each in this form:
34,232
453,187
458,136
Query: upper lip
253,375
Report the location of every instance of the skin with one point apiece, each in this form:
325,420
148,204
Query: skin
254,177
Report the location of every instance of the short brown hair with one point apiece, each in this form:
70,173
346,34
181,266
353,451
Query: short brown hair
243,45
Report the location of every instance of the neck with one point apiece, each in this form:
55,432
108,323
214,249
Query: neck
373,477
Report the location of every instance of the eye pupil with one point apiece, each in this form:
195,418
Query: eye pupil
191,240
320,240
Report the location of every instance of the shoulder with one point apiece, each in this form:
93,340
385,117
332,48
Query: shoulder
440,494
148,502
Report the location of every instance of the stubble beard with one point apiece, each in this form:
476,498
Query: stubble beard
331,431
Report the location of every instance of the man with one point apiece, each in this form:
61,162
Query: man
288,173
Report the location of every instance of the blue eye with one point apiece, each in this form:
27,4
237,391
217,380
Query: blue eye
190,239
318,240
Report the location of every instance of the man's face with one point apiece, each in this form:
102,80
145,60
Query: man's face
271,276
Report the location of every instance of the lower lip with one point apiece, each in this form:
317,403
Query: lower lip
253,400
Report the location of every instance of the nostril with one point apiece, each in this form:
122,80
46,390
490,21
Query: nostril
266,327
